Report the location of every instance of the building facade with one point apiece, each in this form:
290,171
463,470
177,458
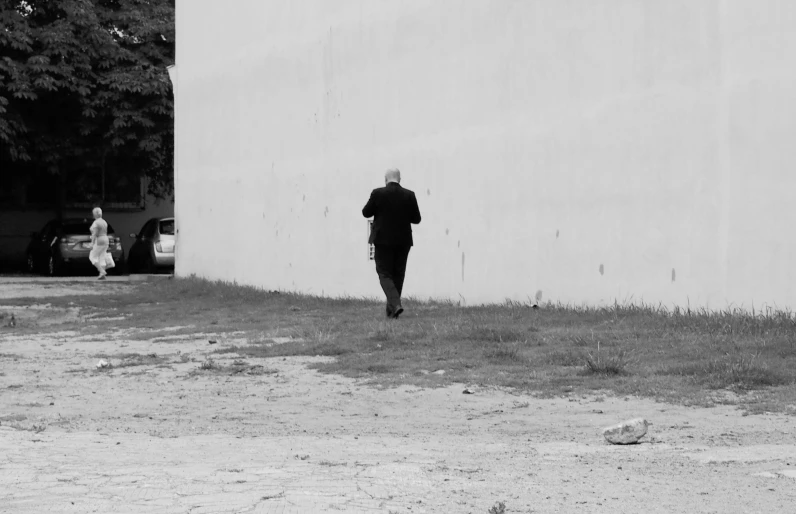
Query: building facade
582,151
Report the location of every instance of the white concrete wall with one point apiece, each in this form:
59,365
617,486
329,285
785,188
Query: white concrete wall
593,150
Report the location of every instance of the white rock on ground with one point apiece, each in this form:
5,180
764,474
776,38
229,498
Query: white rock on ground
626,432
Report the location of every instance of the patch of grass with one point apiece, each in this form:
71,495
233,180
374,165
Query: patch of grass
379,368
487,334
128,360
238,367
331,464
570,357
13,417
260,352
34,427
505,354
679,355
737,372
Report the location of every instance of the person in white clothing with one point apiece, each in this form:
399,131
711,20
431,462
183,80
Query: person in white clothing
99,242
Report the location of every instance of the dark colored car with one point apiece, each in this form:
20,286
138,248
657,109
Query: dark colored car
153,249
65,244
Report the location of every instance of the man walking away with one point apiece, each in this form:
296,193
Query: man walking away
393,209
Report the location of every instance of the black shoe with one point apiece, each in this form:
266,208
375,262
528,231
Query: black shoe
397,312
389,310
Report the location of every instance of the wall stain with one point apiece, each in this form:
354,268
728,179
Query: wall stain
428,192
674,275
556,233
458,244
447,231
303,198
602,269
462,266
326,211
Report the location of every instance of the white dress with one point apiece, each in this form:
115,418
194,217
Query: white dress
98,255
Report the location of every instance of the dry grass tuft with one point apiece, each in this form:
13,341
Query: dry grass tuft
608,362
498,508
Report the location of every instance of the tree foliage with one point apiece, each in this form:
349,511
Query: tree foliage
84,83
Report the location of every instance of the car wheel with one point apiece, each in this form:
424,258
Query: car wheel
31,264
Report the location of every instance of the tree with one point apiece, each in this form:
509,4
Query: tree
84,85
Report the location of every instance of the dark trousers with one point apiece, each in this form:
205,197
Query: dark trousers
391,268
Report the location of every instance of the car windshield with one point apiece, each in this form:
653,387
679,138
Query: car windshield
167,227
80,228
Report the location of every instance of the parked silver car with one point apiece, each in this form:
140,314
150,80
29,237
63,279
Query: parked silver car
64,245
153,249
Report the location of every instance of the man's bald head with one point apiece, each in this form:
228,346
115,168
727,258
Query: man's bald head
392,175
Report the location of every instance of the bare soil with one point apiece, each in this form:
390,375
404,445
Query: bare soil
155,432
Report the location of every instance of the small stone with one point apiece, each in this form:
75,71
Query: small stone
626,432
212,341
439,372
103,364
468,390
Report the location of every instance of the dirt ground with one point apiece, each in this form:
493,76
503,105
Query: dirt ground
161,435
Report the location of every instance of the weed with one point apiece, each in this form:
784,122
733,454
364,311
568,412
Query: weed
208,364
497,508
607,363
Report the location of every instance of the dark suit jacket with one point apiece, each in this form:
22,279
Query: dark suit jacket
393,209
